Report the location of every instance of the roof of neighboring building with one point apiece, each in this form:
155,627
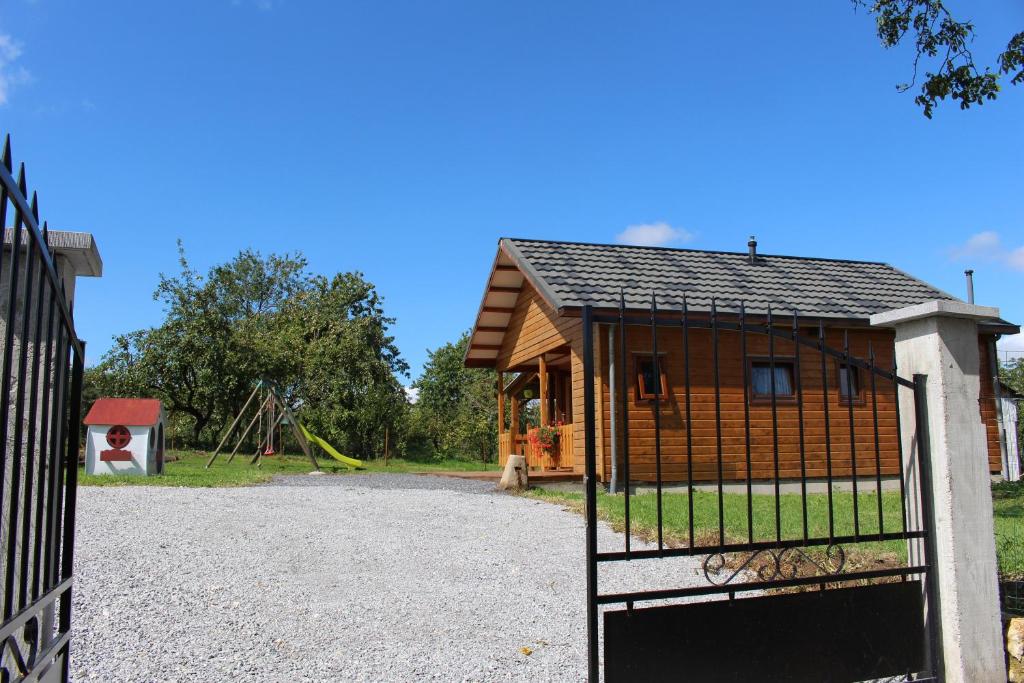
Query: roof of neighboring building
570,275
137,412
79,248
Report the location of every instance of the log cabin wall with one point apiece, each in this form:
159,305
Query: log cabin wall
702,393
533,329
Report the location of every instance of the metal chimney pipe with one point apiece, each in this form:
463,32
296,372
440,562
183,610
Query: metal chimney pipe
752,249
970,285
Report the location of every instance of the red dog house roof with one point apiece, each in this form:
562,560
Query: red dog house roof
137,412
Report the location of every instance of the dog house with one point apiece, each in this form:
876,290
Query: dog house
126,436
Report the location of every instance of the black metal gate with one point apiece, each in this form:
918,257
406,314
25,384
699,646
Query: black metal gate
40,399
776,595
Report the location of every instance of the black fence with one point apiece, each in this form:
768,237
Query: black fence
759,408
40,392
1011,597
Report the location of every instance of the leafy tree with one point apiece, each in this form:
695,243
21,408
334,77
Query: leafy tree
941,38
202,361
347,384
1012,374
323,341
456,407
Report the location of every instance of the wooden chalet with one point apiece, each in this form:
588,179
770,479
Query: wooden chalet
529,329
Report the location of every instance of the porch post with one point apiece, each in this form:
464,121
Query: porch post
939,339
542,379
514,427
501,402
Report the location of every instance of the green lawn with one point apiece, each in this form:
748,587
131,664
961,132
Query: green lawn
1008,500
1008,506
190,470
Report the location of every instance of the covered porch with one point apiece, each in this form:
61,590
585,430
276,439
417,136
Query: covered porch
549,382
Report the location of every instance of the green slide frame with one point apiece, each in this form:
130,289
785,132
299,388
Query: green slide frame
329,449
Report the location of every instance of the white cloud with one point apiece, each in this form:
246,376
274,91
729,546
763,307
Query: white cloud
10,73
653,235
412,394
988,247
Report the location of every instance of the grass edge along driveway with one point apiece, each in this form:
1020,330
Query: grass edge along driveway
1008,512
189,470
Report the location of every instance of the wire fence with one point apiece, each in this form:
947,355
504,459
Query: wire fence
1006,356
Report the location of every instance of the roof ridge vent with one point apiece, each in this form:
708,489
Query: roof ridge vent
752,250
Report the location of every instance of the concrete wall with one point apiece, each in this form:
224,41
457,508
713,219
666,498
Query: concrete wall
939,340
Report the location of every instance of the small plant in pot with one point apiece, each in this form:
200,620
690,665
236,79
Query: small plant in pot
545,438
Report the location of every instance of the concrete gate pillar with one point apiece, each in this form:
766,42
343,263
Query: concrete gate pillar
939,339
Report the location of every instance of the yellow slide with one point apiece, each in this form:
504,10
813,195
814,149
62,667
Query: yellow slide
329,449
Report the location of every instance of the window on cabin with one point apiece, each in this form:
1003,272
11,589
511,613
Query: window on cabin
651,381
849,382
761,379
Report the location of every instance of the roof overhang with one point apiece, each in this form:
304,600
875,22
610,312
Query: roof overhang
504,283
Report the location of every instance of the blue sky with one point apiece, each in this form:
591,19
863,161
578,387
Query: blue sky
403,138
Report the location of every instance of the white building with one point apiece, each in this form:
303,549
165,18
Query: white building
126,436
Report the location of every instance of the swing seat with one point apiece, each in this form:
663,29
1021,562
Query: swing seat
269,451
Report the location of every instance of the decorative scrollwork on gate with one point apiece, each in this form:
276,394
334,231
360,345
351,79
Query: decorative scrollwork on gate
770,564
14,661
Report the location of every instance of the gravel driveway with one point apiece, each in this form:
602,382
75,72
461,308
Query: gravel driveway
360,577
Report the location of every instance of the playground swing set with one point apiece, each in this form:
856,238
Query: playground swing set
271,414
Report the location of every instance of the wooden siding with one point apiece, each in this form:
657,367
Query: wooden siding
504,447
703,431
566,447
533,329
579,435
988,407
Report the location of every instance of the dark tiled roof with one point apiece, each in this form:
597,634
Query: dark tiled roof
572,275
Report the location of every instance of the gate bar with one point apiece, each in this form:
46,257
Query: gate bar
746,424
40,579
899,445
32,453
853,432
718,422
593,673
775,426
689,420
672,593
762,329
12,449
800,419
828,427
613,556
71,485
657,414
878,451
55,500
924,462
21,206
625,413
